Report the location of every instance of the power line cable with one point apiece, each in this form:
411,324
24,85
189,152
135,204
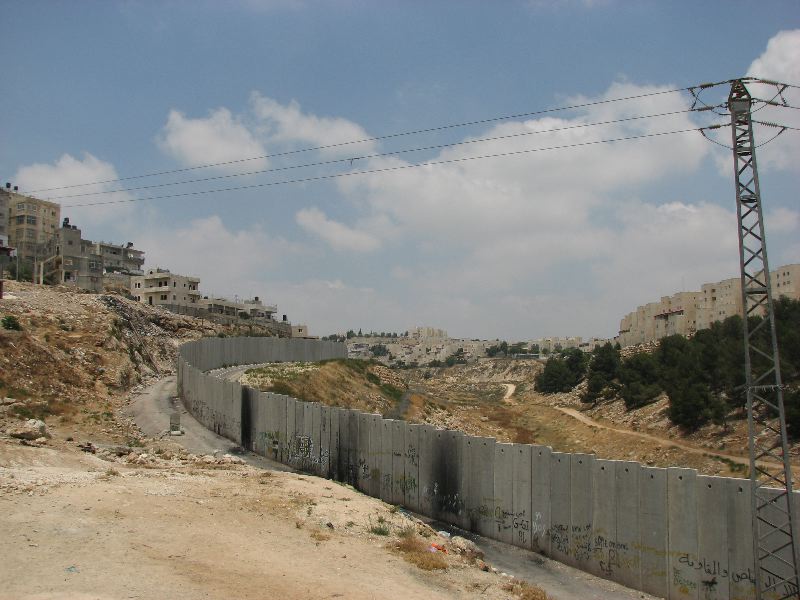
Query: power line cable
377,155
392,169
376,138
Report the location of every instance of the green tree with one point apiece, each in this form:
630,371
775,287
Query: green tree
639,380
555,377
603,370
379,350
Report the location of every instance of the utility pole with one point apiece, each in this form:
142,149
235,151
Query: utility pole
774,549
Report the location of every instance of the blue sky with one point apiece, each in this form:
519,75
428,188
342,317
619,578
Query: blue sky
549,243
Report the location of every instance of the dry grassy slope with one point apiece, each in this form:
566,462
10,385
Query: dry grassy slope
349,384
78,353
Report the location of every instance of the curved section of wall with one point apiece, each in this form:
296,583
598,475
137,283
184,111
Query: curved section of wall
670,532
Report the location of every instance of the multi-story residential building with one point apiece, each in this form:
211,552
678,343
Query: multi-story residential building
719,301
253,308
120,259
32,223
73,260
686,312
4,198
428,333
555,344
161,287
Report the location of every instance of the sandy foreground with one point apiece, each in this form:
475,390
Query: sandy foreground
77,526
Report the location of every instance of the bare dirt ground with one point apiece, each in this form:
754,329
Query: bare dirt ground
161,523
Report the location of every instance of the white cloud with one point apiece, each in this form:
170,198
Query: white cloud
288,124
70,171
338,235
218,138
779,62
475,203
782,220
227,261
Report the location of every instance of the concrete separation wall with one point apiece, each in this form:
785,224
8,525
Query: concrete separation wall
669,532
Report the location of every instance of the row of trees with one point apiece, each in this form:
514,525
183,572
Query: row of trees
504,349
702,376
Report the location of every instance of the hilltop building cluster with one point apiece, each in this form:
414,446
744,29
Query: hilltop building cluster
37,244
684,313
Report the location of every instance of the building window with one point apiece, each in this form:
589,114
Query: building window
31,220
21,206
163,296
173,296
20,219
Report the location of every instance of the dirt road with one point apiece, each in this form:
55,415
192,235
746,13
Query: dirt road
510,389
653,438
151,410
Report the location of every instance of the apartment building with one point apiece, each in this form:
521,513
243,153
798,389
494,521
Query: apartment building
161,287
556,344
253,308
73,261
4,198
32,223
120,258
686,312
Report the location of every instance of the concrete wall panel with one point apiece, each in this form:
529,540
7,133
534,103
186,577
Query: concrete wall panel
325,441
426,482
581,503
653,531
776,512
712,534
386,456
363,472
521,505
684,578
375,455
560,504
343,468
604,557
627,570
316,439
480,491
741,564
451,496
398,461
503,495
541,463
291,430
411,476
335,448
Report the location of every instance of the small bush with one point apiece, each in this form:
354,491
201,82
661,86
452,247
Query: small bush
417,551
525,591
381,529
11,323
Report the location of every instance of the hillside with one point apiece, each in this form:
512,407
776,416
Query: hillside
362,385
77,354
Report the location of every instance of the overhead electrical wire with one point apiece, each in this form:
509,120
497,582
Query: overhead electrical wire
392,169
376,138
371,156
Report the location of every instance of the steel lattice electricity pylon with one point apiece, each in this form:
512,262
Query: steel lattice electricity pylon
770,471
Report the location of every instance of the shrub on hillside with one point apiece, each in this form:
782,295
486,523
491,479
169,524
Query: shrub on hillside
639,380
561,374
11,322
603,370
